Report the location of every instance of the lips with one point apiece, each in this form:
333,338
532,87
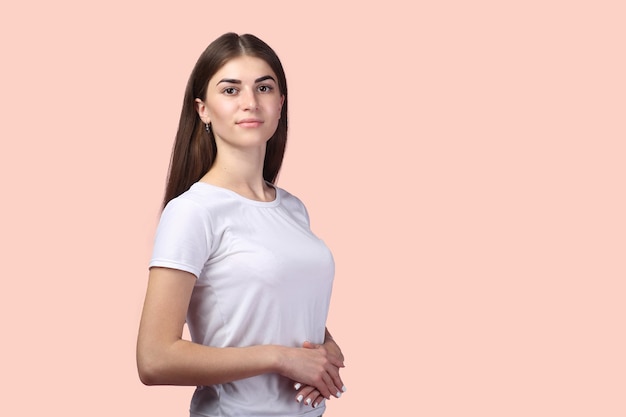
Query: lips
250,122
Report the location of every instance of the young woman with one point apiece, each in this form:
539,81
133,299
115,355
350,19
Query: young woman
234,256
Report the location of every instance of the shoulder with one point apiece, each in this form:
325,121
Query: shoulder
292,203
194,206
288,198
200,197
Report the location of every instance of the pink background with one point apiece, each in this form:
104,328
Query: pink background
464,161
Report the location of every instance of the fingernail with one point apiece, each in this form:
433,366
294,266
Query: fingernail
297,386
344,389
338,394
315,405
308,401
300,397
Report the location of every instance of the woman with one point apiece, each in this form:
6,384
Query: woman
234,256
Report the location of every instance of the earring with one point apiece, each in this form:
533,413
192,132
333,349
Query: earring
207,127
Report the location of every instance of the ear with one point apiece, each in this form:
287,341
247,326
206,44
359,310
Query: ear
280,109
202,110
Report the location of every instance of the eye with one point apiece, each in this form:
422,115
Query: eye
265,88
229,91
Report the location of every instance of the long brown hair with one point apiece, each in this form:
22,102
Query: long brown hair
194,148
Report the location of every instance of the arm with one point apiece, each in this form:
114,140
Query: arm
164,358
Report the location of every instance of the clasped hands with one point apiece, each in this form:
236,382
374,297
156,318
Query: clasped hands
329,384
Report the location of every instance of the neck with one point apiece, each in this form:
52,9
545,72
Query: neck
241,171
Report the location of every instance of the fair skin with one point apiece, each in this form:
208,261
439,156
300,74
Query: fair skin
243,105
310,395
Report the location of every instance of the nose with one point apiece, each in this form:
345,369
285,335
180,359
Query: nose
249,99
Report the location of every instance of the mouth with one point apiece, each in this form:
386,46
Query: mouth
250,123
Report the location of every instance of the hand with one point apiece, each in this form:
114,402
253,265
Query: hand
309,395
333,349
312,365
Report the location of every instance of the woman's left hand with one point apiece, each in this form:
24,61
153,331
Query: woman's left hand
333,348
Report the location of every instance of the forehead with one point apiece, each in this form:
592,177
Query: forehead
244,68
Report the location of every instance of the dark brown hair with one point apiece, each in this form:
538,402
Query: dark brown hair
194,148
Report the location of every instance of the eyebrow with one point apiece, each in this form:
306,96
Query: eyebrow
258,80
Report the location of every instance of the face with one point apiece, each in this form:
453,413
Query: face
242,103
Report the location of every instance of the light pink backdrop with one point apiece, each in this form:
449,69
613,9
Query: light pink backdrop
463,160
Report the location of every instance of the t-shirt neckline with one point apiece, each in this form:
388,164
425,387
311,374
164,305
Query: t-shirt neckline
243,199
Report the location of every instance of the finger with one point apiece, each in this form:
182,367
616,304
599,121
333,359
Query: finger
317,401
323,386
335,361
332,387
330,355
314,397
309,345
305,395
337,382
335,352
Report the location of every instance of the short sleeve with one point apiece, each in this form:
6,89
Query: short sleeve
183,237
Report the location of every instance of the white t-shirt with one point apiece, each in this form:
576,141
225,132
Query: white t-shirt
263,278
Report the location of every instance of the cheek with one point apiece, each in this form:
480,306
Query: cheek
220,111
278,106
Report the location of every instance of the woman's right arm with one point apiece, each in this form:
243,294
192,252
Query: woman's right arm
165,358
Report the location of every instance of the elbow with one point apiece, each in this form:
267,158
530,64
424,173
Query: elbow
148,375
150,369
156,363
